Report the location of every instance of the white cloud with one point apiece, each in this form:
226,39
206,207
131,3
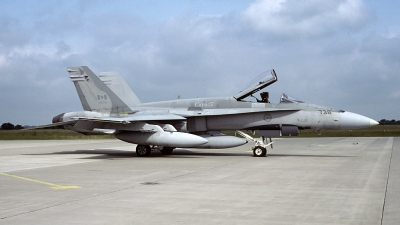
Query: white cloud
395,95
305,18
30,50
390,35
352,12
3,61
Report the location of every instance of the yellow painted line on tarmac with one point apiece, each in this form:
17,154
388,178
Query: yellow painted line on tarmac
54,186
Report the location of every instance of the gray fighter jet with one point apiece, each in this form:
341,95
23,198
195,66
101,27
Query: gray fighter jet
110,106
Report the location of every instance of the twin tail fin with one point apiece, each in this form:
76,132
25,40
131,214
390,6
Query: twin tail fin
94,94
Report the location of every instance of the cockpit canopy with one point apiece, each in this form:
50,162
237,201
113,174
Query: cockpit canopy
260,82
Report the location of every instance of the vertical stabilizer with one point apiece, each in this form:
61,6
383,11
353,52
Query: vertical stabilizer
119,86
94,94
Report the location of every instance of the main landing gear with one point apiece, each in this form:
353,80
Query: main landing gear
260,148
166,150
145,150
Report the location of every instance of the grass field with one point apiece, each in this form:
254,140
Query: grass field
47,134
56,134
376,131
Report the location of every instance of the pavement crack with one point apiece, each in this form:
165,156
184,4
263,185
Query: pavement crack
387,182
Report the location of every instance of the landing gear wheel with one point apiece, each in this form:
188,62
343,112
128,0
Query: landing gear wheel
259,151
143,150
166,151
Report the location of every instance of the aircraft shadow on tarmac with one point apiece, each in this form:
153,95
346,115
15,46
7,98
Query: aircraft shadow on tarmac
111,153
298,155
178,153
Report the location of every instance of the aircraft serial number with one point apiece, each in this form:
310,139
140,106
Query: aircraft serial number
204,104
325,112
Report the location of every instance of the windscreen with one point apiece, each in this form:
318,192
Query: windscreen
288,99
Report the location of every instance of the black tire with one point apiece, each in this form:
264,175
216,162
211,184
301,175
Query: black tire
166,150
143,150
259,151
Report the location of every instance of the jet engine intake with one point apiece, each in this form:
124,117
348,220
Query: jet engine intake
286,130
58,118
289,130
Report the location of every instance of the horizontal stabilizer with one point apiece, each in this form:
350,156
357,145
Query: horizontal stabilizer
51,125
102,120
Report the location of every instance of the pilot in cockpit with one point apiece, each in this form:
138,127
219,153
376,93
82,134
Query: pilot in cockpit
264,97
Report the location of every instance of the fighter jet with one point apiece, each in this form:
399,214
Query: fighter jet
110,106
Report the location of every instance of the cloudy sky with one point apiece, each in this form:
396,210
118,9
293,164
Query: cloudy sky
344,54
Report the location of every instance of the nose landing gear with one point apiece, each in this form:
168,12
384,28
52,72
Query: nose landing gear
260,148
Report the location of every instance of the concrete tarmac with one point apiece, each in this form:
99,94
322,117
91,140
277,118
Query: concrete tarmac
302,181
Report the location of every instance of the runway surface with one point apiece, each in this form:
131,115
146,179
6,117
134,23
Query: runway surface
302,181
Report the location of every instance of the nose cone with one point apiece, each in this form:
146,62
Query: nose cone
350,120
373,123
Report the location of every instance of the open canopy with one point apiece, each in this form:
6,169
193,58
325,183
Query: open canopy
261,81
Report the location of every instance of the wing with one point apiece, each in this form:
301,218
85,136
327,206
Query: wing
140,117
142,120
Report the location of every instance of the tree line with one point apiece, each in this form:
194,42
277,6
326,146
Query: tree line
389,122
10,126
